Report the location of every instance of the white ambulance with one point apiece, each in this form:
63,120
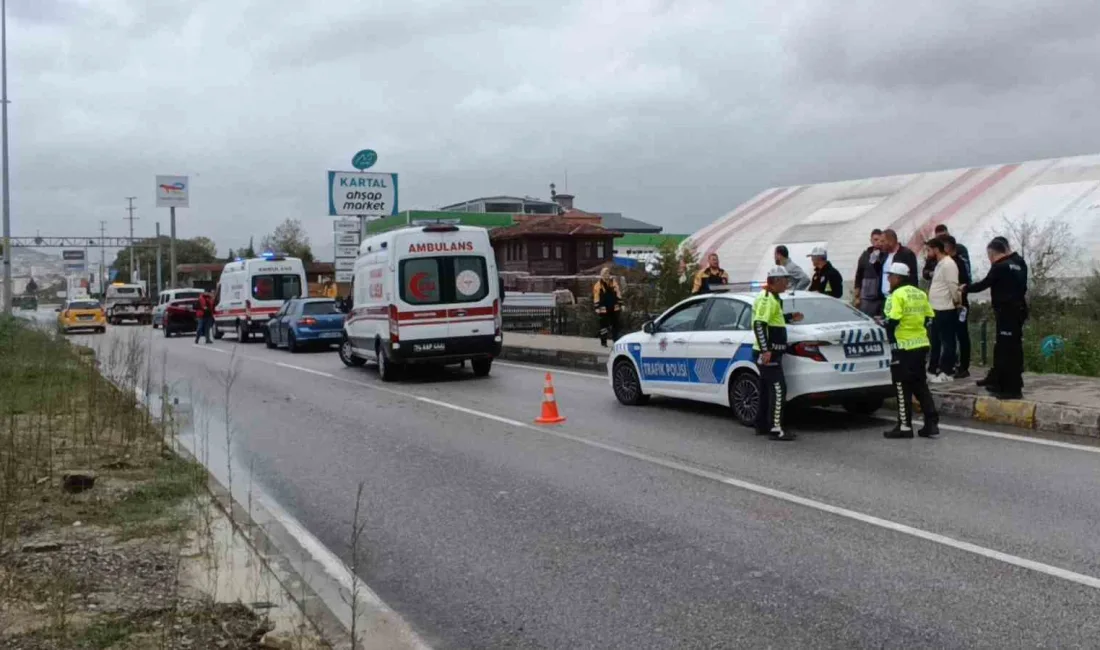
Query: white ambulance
425,294
251,290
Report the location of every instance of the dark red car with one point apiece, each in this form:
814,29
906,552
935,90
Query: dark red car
180,317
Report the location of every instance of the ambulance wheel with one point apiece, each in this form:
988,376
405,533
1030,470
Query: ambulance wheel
348,357
745,397
863,405
218,333
625,383
387,369
481,367
242,333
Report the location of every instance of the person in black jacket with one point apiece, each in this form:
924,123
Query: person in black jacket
894,252
1007,282
868,296
826,278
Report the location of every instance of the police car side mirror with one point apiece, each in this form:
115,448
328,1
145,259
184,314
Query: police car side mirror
649,327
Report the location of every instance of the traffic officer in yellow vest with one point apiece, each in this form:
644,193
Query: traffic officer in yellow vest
907,314
769,325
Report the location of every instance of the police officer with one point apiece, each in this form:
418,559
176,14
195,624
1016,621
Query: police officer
608,301
907,315
769,325
711,275
826,278
1007,282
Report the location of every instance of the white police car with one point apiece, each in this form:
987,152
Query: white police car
701,349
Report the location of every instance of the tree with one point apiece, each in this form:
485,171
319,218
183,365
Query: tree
199,250
1049,250
230,256
247,253
674,268
289,238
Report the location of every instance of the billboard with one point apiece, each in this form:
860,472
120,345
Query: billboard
362,194
172,191
72,255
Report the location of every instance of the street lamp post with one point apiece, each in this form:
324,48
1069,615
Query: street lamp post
4,145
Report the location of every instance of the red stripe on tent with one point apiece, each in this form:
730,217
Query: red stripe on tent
718,225
935,198
973,193
729,232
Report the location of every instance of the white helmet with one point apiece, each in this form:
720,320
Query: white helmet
899,268
778,272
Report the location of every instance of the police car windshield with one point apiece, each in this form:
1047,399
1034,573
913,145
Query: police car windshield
819,311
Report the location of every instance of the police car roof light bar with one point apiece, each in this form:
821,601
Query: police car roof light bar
736,286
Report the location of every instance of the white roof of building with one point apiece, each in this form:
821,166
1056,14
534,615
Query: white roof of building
973,202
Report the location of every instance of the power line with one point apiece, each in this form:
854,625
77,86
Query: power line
131,219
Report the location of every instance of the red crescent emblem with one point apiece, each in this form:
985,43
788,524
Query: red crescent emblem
419,283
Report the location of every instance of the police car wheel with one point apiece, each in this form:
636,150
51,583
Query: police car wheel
625,383
745,397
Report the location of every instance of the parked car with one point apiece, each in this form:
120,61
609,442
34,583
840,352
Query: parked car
81,314
180,317
305,321
701,349
167,297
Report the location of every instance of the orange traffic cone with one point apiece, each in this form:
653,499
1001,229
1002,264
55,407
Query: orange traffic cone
550,413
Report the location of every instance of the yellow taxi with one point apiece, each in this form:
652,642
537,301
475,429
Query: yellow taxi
82,314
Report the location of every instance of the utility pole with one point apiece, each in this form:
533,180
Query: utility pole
160,285
131,219
172,250
7,288
102,258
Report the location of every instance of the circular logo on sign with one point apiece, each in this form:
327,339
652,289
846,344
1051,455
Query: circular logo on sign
365,159
468,283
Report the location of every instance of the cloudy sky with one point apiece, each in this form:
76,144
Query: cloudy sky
670,111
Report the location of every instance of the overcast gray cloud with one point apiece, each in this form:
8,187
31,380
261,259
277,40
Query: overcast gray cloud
671,111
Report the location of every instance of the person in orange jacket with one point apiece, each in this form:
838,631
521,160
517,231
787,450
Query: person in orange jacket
204,313
608,302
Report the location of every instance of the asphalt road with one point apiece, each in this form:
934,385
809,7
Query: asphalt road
666,526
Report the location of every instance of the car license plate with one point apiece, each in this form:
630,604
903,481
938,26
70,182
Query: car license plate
437,346
330,335
864,349
86,317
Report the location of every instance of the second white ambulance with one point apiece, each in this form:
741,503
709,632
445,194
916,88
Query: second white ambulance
427,294
251,290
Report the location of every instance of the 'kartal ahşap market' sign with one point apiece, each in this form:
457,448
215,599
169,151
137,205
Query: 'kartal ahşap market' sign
362,194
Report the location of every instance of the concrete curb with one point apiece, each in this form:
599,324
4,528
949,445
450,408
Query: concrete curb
1042,417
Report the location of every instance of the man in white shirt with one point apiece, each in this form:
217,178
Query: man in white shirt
945,298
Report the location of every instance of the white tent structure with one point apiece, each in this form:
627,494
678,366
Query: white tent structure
973,202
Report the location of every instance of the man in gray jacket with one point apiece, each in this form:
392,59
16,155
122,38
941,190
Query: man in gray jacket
799,280
868,290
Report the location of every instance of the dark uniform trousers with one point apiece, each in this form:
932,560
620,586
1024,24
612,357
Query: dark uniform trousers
773,391
609,325
1008,349
910,380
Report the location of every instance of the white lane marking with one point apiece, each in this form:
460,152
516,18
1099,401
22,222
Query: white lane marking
309,370
936,538
1015,437
210,348
553,371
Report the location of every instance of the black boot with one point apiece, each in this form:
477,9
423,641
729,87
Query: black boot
898,433
781,435
929,430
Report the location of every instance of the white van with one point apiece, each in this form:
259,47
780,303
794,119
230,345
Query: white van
425,295
168,296
251,290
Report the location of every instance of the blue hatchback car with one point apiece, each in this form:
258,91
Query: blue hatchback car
304,322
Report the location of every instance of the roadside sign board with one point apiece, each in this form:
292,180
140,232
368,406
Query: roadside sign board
75,267
72,255
347,239
172,192
346,225
344,276
363,194
365,159
346,252
345,264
